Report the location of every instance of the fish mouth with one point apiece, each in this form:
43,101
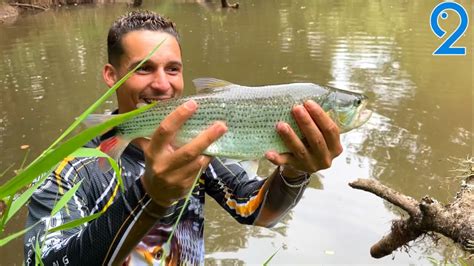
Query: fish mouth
363,115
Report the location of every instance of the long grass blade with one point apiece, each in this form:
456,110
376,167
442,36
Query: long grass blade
75,223
65,198
52,158
9,238
38,252
101,100
6,170
184,206
23,198
7,211
91,152
24,159
271,257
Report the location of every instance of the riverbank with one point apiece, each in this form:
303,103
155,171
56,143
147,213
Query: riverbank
8,13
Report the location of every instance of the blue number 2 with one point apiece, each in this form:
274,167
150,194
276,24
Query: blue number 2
446,47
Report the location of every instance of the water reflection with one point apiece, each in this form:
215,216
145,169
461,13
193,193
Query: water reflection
422,105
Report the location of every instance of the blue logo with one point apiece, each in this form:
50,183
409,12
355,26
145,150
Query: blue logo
447,48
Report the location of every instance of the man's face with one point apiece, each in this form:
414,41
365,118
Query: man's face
161,77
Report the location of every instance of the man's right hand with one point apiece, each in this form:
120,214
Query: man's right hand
170,171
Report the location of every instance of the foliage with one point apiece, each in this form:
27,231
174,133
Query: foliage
40,168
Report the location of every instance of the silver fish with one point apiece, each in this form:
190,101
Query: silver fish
250,114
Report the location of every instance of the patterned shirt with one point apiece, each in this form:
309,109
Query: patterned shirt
98,242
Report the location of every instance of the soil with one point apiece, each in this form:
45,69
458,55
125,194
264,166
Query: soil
8,13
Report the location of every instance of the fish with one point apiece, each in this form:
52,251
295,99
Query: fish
250,114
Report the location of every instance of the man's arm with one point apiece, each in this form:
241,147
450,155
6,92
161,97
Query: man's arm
320,146
251,199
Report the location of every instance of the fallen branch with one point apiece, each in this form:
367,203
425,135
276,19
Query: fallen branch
226,4
28,6
455,220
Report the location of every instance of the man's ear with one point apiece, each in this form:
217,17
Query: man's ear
109,74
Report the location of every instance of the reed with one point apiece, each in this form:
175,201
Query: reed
38,170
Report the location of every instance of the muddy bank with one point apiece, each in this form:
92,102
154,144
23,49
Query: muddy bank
8,13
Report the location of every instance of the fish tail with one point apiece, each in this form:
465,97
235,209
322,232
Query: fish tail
114,147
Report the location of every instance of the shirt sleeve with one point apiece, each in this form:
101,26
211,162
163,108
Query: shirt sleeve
244,196
96,242
238,193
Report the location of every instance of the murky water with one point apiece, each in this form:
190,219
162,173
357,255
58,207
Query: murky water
50,72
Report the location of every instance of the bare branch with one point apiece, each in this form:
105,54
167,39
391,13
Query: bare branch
373,186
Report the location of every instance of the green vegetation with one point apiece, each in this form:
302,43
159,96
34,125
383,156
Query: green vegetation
40,168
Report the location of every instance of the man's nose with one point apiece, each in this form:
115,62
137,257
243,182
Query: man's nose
160,81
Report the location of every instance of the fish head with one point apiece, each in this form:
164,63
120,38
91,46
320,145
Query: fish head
347,109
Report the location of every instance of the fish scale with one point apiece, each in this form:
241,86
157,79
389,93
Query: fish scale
250,114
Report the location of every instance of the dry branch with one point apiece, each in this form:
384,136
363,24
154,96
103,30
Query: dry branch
28,6
226,4
455,220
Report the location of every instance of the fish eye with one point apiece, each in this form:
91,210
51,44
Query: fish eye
358,102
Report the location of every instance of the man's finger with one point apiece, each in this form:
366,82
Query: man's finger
196,147
192,169
168,128
328,128
311,132
279,159
292,141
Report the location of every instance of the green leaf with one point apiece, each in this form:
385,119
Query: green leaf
6,170
46,162
5,215
65,198
23,198
91,152
75,223
101,100
47,159
271,257
38,253
462,262
9,238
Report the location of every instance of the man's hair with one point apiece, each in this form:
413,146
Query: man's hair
134,21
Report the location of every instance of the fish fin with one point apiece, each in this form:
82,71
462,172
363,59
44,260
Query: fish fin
96,119
114,147
210,83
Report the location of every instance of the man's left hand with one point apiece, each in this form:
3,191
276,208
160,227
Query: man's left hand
321,141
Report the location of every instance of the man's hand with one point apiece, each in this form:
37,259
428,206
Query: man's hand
170,172
321,143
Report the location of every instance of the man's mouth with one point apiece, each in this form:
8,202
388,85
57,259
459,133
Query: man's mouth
149,100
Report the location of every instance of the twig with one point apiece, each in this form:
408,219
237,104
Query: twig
28,5
407,203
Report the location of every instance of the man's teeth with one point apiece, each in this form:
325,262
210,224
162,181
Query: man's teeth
149,100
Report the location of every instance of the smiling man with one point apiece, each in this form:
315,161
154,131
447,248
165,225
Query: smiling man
136,223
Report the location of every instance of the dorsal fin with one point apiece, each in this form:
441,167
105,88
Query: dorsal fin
209,84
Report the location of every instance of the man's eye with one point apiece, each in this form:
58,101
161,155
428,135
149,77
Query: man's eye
173,70
144,69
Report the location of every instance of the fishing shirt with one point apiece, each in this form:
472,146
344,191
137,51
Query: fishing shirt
98,242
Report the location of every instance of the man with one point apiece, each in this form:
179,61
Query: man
136,224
